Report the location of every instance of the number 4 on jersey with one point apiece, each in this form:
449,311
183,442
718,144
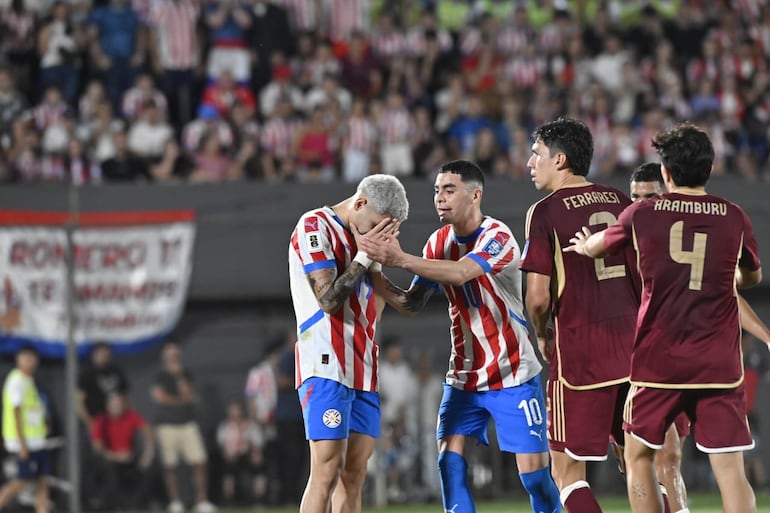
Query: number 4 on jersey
695,258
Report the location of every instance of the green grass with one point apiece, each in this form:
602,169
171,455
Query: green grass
699,503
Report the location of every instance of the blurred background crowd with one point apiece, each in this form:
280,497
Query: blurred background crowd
318,90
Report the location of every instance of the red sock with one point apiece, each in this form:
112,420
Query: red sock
578,498
666,505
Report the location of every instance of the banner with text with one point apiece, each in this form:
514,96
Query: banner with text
131,275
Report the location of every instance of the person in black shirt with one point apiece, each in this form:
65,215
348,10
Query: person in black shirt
97,380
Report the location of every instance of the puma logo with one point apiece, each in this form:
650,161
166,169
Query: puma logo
452,509
535,433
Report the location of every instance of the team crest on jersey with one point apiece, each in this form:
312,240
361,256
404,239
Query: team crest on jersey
496,245
332,418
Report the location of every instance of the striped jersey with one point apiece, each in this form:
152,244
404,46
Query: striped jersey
338,346
490,341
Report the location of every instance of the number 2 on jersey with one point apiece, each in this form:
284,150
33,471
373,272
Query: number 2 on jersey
603,271
695,258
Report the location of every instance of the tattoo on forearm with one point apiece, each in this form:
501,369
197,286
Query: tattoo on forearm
332,293
639,490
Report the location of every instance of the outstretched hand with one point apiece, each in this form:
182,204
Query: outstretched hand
579,242
381,242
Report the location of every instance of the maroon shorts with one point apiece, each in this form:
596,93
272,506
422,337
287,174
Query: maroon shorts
682,425
582,422
718,416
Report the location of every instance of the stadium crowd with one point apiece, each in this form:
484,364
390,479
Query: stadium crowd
307,90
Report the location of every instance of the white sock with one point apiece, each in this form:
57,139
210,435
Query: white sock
685,510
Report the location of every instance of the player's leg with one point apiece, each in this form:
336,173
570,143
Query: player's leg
578,430
668,468
326,411
364,429
522,431
41,495
737,495
643,489
722,432
459,416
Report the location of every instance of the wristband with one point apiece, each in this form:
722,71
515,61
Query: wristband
363,259
376,267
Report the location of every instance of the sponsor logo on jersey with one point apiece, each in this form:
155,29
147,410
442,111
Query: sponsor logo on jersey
332,418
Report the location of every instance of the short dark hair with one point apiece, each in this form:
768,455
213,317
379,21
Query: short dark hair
29,349
468,171
647,172
687,153
571,137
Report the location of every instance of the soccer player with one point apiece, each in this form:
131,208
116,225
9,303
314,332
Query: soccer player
647,183
593,307
694,249
493,368
336,311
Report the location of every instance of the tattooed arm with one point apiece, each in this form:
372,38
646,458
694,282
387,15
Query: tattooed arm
406,302
331,290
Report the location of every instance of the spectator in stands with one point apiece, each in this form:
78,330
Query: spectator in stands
124,166
177,430
211,164
358,143
464,131
149,134
396,127
756,366
12,104
241,444
25,160
228,22
316,161
279,89
359,67
140,95
97,133
270,36
118,46
24,431
208,121
328,90
225,93
17,25
59,42
175,48
120,464
277,143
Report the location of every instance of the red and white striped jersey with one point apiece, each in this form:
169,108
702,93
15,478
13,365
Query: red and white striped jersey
396,126
278,137
174,22
361,134
390,44
303,14
346,17
490,341
338,346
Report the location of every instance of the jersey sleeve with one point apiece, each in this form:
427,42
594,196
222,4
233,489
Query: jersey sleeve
314,244
495,249
428,252
749,258
537,256
620,233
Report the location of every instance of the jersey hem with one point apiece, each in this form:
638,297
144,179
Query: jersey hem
688,386
593,386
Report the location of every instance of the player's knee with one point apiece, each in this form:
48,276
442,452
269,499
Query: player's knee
326,473
668,460
353,478
452,466
539,484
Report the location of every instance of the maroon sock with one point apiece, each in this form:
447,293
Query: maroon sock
582,500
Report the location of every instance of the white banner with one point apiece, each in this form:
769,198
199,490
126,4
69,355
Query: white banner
132,271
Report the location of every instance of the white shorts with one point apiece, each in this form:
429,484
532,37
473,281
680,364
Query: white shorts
397,159
235,60
355,165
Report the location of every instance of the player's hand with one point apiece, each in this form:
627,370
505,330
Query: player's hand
23,452
546,346
383,247
579,242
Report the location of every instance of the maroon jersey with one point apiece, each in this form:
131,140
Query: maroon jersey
688,330
594,302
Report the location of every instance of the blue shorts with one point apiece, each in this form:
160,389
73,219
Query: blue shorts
36,466
518,412
331,410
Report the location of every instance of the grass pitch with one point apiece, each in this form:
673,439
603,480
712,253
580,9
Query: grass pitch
699,503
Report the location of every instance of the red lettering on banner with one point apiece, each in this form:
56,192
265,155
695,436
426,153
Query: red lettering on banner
94,257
